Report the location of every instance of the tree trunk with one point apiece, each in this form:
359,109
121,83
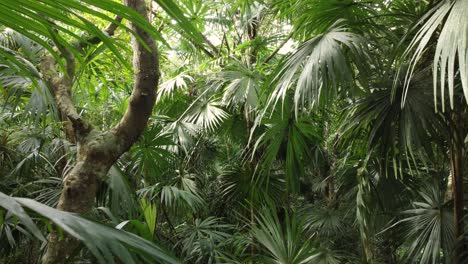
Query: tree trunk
252,31
331,189
457,159
96,154
98,151
449,191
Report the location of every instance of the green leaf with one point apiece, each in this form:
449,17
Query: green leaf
13,206
189,30
44,21
103,241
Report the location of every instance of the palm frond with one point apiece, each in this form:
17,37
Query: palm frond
319,67
172,196
14,207
46,20
22,79
188,29
428,227
289,135
202,241
243,86
324,221
396,132
207,114
104,242
171,86
122,201
183,133
451,47
150,213
315,16
152,154
282,245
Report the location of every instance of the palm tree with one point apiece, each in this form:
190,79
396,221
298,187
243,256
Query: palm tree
451,47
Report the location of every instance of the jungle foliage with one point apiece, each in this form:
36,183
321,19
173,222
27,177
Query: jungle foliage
292,132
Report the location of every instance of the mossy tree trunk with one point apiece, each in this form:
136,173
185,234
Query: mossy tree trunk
99,150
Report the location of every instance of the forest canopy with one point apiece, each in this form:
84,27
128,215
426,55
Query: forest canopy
233,131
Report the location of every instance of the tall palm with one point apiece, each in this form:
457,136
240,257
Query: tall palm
450,48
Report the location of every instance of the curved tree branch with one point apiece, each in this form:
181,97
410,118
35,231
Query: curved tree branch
109,30
273,54
61,87
143,98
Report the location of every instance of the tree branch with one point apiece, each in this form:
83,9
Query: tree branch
272,55
143,97
61,87
212,47
109,30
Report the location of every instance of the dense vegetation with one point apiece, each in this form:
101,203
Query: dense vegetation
246,131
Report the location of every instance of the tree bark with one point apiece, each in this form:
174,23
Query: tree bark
252,31
99,150
457,160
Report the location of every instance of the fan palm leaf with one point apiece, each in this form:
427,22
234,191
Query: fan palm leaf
202,241
243,86
289,135
428,227
318,67
450,49
315,16
283,246
173,85
207,114
395,131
